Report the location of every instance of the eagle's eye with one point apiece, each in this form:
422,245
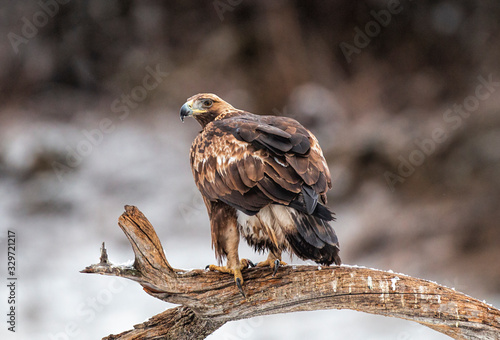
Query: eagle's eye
206,103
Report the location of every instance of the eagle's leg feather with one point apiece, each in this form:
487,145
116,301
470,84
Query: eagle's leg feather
225,239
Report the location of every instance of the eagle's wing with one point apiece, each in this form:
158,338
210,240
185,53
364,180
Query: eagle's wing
250,161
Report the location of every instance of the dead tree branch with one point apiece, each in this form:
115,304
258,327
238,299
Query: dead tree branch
209,299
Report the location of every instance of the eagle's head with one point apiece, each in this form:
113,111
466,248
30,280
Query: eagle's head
205,107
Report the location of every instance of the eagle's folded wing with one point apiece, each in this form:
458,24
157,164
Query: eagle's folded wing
252,161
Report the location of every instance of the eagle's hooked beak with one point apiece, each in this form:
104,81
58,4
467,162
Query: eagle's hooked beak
186,111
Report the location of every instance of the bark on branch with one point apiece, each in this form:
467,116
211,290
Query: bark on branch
208,299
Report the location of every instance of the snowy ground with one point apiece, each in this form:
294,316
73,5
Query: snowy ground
61,222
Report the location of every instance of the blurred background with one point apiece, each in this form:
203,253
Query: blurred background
403,97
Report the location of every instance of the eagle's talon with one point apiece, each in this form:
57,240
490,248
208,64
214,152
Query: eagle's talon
276,266
238,278
240,288
245,263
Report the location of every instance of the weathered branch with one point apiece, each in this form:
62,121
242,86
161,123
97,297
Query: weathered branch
211,299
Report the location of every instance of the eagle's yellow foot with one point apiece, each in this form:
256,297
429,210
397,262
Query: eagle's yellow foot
273,263
238,278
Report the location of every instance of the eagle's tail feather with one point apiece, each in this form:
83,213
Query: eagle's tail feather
323,213
314,239
307,202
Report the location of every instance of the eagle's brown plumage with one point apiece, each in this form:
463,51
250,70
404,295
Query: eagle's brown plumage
264,177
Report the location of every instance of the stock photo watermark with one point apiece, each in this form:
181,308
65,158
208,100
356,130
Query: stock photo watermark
363,37
124,105
244,330
454,118
223,6
88,310
31,26
283,112
192,209
11,281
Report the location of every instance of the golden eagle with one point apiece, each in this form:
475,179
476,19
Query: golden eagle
263,177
